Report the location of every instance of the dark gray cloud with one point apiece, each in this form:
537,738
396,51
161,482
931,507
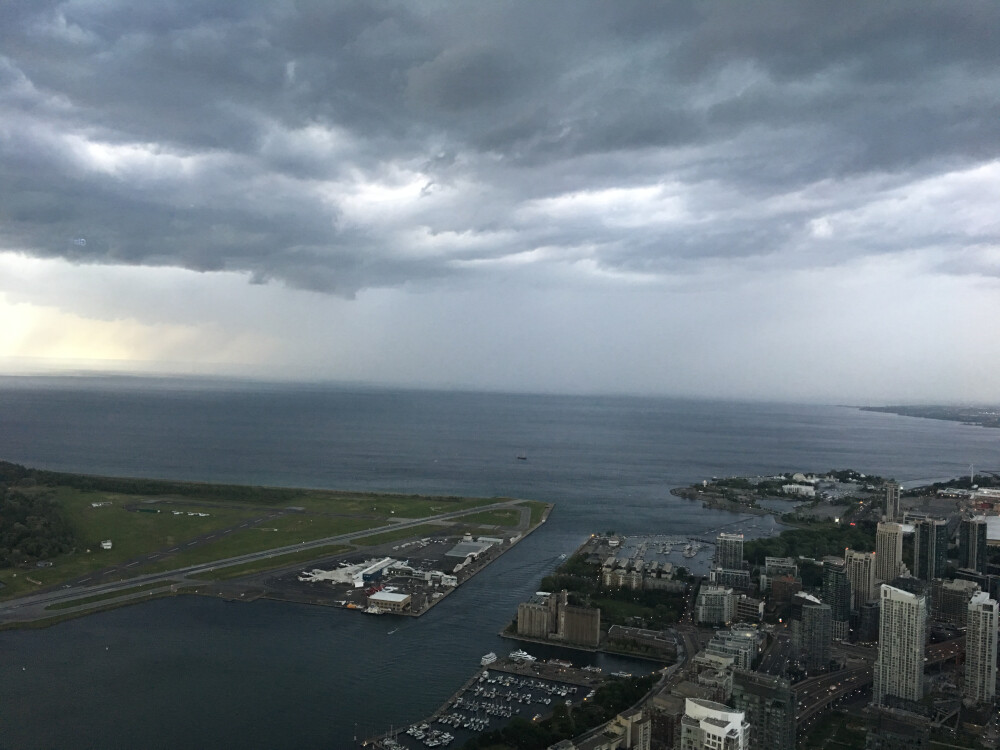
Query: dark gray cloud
335,147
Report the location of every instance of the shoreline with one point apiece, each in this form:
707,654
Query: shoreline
717,502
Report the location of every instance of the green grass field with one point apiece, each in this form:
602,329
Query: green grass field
134,534
537,510
500,517
131,533
427,529
278,561
271,534
200,522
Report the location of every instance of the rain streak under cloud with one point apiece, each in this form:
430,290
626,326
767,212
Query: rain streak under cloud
736,200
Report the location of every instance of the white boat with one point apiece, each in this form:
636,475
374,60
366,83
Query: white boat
488,659
520,655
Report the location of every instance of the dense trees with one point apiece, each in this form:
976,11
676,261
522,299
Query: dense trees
31,529
817,541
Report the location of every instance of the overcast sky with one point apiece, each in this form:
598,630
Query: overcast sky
737,200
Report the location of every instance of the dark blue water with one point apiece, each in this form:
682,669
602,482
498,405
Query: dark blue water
197,672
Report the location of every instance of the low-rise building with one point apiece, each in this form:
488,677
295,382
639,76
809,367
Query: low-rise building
776,567
389,601
637,575
799,490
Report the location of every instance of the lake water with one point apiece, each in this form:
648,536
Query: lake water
194,672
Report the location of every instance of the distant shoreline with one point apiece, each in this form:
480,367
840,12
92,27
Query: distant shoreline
980,416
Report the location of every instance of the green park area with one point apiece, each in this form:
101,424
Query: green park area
385,537
500,517
272,561
52,525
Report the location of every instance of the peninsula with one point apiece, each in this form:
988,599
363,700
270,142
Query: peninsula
72,544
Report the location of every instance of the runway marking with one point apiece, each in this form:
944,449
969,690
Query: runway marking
84,580
132,563
190,543
228,531
173,550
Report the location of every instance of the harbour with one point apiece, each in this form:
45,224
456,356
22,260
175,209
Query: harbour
236,672
517,686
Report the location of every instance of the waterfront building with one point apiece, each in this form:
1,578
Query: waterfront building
981,650
715,605
861,574
930,548
899,668
837,593
729,551
799,490
950,600
637,575
972,552
712,726
387,601
890,501
817,634
535,617
769,705
580,625
888,551
552,617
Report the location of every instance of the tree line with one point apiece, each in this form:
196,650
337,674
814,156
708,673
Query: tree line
32,528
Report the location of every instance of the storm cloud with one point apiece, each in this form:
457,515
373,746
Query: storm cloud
443,147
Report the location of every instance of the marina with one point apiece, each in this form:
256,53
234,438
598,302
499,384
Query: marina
517,686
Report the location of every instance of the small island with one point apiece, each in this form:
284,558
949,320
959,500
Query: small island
71,544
